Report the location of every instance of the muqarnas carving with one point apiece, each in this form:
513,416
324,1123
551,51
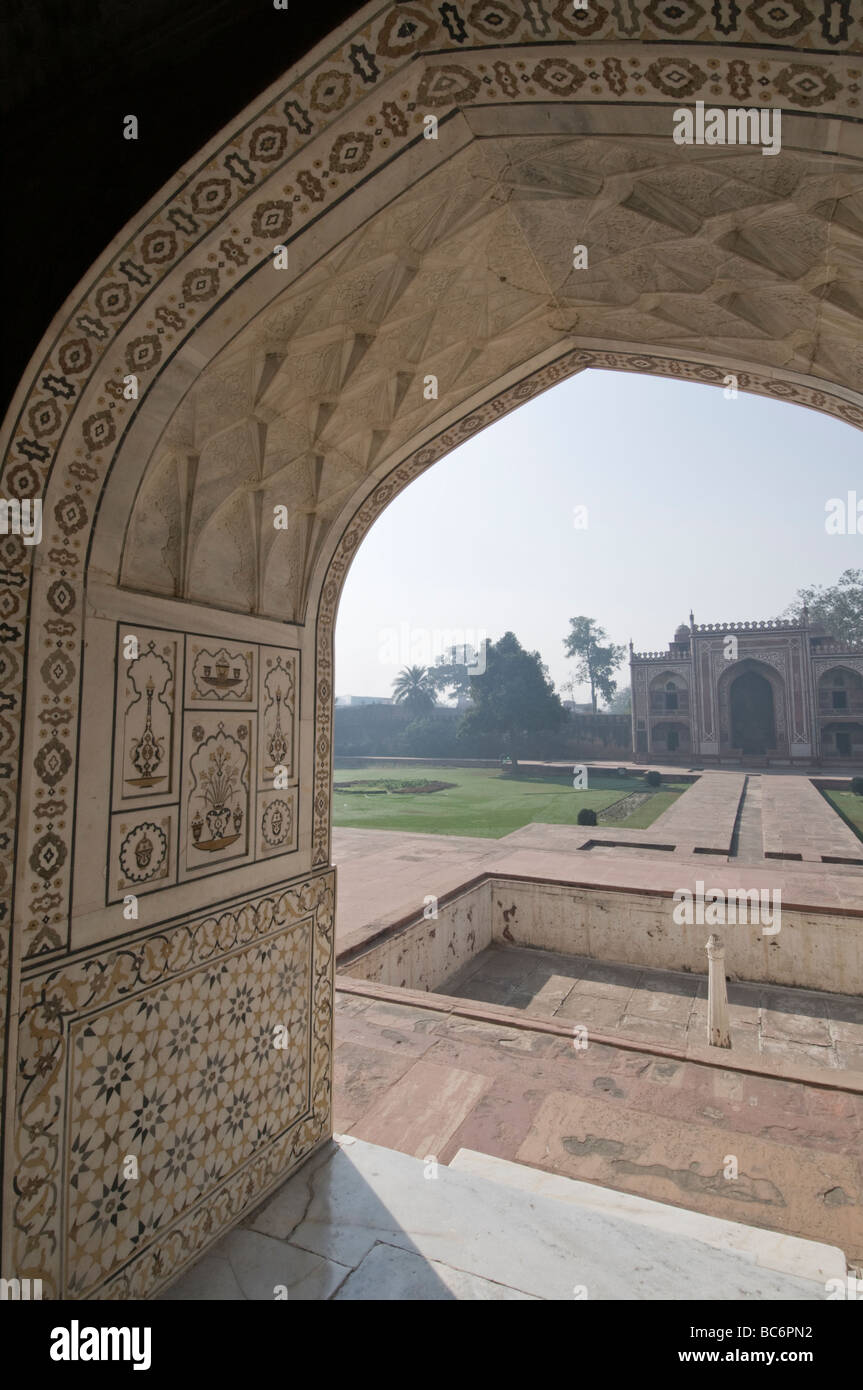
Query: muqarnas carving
142,852
147,721
222,674
217,805
278,712
277,822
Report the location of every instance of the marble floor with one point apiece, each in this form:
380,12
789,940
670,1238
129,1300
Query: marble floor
361,1222
814,1029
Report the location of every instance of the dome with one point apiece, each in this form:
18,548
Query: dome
681,633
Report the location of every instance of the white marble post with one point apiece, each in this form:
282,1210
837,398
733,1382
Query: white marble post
718,1026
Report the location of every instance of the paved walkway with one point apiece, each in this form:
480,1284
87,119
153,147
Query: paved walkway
798,821
427,1082
703,817
664,1006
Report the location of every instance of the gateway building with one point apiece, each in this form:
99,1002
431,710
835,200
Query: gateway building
764,692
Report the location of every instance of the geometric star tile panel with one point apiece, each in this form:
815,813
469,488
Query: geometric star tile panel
192,1068
174,1089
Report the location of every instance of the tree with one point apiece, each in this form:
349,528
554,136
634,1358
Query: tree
837,607
570,688
620,702
513,698
596,662
450,675
430,736
414,689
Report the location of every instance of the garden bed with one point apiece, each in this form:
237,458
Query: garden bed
392,786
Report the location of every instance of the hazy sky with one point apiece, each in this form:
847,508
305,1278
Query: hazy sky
692,500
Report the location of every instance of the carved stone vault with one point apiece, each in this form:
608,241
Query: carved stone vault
307,388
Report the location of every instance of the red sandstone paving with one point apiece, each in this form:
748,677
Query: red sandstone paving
670,1008
420,1111
541,1062
361,1074
796,818
499,1123
850,1055
651,1030
592,1011
682,1091
369,1033
654,1126
781,1187
705,814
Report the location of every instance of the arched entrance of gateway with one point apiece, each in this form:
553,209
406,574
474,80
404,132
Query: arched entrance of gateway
753,720
280,343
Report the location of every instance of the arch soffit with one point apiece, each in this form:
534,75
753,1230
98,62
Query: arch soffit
339,117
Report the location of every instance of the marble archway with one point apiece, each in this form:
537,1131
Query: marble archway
308,389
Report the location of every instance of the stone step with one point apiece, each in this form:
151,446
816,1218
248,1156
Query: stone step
770,1250
365,1223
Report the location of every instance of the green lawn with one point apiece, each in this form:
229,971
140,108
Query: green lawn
485,803
850,807
645,814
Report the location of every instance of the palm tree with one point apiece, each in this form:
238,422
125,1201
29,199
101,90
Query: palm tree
413,688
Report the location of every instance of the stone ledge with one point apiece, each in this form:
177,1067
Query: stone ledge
851,1082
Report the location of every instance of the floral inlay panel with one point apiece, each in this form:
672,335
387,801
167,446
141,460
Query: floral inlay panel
220,674
145,751
217,790
143,852
277,822
278,707
222,789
